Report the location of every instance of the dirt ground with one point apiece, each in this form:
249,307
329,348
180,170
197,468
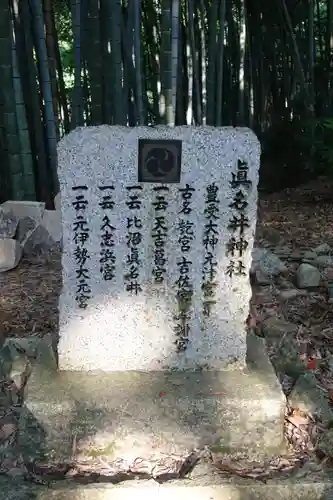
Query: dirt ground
29,297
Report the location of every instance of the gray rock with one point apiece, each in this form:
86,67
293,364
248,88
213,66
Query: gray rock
330,292
323,249
25,227
274,327
280,339
296,255
10,254
324,261
325,443
272,235
309,398
21,209
286,358
268,263
39,241
330,364
57,202
8,224
307,276
283,284
36,237
309,255
291,294
51,221
283,251
261,278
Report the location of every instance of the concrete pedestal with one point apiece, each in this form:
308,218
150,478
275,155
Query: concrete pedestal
126,415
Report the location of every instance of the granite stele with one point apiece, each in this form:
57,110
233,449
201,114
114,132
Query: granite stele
156,274
153,354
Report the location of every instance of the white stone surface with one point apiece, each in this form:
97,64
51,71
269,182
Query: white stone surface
8,224
123,331
51,221
20,209
10,254
57,202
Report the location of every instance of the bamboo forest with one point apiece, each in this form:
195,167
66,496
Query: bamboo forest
266,65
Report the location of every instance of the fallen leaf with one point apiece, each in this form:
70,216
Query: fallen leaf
311,365
257,474
7,430
298,420
251,321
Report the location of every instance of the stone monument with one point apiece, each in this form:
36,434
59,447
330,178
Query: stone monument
153,354
157,242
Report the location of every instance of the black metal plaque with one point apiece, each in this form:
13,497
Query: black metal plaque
159,160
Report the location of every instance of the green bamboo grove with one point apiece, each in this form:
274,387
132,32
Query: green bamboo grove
70,63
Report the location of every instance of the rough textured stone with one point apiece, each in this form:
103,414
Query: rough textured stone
25,228
268,263
38,241
291,294
10,254
138,414
307,276
21,209
325,443
36,237
324,261
280,337
323,249
309,398
138,332
261,278
209,486
57,202
51,222
8,224
309,255
277,328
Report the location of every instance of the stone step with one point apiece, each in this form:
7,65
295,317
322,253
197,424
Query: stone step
125,415
177,490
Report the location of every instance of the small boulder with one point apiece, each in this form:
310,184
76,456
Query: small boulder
324,261
309,255
268,263
325,443
309,398
39,241
52,223
8,224
308,276
323,249
21,209
261,278
285,351
290,294
271,235
10,254
57,202
25,227
277,328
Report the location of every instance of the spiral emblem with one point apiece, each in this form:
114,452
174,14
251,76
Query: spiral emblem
159,161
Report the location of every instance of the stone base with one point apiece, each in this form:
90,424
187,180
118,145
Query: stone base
206,488
77,415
